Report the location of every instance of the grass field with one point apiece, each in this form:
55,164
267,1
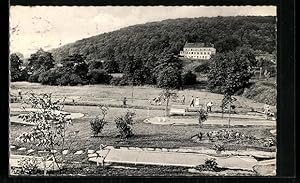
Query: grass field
146,135
113,95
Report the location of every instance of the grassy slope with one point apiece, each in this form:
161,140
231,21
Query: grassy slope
262,91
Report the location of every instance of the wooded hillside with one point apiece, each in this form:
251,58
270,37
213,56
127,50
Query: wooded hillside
154,39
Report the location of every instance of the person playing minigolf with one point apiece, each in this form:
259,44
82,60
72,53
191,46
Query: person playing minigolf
192,103
208,106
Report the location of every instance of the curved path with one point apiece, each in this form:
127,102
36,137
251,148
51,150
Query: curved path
183,159
16,119
210,121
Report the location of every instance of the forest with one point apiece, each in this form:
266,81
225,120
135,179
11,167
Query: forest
156,38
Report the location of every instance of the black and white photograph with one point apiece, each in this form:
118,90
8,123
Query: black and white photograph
143,90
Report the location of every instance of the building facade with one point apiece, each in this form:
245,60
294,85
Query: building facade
198,51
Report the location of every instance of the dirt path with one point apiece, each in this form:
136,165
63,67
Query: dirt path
210,121
126,156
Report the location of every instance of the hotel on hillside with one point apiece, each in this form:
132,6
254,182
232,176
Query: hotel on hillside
199,51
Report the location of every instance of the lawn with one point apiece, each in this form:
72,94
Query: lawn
145,135
113,95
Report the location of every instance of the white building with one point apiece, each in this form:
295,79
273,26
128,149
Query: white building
198,51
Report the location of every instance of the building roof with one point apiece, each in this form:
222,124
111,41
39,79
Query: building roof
197,45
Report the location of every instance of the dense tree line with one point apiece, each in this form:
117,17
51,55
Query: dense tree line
70,70
164,72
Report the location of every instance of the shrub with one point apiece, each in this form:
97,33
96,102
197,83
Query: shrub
34,77
203,68
188,78
70,79
24,75
202,116
124,124
98,76
49,77
210,165
49,131
98,123
28,166
115,81
219,147
269,142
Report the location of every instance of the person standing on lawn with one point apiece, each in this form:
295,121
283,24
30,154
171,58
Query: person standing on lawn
209,106
20,93
266,110
192,103
183,100
124,101
197,101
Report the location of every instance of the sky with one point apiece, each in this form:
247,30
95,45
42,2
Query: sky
49,27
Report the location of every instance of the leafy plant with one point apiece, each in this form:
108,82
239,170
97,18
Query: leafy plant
124,124
98,123
28,166
98,76
219,147
188,78
166,95
15,67
210,165
202,116
50,124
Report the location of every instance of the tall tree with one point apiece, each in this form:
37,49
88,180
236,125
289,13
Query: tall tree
168,72
166,95
41,60
15,67
74,70
230,72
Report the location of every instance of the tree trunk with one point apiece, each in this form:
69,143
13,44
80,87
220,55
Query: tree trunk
167,108
229,114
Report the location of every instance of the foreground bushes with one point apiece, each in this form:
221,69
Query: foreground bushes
124,124
98,123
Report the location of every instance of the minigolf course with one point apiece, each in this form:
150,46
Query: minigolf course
17,120
234,121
